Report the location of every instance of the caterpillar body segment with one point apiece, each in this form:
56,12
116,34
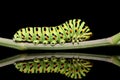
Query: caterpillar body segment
74,68
73,31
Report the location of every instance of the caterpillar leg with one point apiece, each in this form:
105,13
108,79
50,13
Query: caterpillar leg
46,65
68,38
74,39
84,36
62,41
78,39
53,43
36,60
45,42
68,70
58,68
63,67
36,42
54,64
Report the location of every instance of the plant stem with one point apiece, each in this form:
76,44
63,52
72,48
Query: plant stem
21,57
113,40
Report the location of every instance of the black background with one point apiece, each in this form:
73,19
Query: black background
103,23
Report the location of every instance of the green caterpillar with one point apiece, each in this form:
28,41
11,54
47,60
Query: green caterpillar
71,31
74,68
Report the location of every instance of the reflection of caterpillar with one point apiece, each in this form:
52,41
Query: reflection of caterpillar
73,68
71,31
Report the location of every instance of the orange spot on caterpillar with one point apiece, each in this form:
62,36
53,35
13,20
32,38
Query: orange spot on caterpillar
71,31
46,38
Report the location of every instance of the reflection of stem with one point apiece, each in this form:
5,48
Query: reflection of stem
114,40
21,57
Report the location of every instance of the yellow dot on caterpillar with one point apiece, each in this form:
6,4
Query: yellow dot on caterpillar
83,30
76,30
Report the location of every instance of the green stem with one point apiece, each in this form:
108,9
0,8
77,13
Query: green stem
114,40
21,57
116,60
11,60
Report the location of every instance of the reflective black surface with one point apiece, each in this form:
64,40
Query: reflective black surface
102,25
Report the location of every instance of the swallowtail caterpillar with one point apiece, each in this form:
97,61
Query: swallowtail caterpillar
73,31
71,67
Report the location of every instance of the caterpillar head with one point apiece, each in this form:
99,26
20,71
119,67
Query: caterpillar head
19,65
17,37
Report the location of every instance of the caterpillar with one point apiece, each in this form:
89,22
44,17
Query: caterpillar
73,30
71,67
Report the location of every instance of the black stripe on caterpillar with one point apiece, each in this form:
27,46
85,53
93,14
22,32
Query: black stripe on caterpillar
73,31
74,68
